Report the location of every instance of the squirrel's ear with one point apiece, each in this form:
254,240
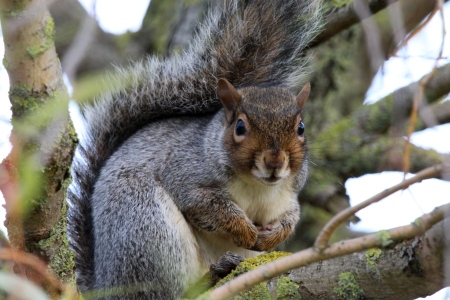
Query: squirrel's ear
303,95
229,97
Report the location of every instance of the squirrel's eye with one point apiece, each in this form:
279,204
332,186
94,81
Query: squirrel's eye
240,128
300,129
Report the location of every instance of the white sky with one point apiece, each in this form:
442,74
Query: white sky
118,16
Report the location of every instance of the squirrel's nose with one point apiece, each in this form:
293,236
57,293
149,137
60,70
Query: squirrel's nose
274,160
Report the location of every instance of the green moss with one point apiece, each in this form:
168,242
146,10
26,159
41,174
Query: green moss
50,29
49,33
72,133
5,63
123,41
385,238
252,263
287,289
326,144
372,256
21,90
320,179
339,150
34,51
62,263
259,291
22,100
348,288
378,118
418,223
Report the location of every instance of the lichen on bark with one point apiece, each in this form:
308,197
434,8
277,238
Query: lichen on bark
348,288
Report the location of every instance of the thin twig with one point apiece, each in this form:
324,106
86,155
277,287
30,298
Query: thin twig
325,234
414,32
419,95
23,258
310,255
420,56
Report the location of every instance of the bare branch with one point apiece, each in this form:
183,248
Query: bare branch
324,236
20,257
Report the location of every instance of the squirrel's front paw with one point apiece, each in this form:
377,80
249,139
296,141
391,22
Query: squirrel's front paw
268,237
246,235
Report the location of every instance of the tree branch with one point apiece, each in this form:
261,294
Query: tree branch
440,112
410,270
378,117
324,236
360,143
342,18
311,255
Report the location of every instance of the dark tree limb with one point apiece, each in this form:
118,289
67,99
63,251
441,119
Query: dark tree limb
340,19
395,109
440,113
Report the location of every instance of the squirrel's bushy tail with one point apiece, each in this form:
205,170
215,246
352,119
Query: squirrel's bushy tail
248,42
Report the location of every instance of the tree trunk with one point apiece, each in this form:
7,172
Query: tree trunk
36,173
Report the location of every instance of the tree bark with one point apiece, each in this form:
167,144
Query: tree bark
35,176
408,270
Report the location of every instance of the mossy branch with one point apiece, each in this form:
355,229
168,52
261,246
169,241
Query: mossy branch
311,255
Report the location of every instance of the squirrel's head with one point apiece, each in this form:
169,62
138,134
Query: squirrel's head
264,134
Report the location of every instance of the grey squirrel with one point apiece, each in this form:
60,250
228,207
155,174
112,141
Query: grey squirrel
194,155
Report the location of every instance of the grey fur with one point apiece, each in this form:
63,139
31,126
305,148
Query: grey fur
152,152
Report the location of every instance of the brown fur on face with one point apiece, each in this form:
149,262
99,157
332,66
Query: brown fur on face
271,117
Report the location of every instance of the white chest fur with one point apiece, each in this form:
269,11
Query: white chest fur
262,203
